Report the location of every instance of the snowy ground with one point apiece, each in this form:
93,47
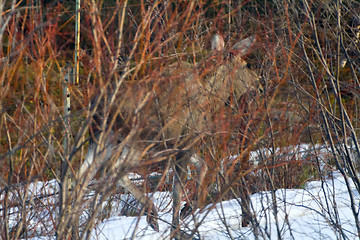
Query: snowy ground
307,213
320,210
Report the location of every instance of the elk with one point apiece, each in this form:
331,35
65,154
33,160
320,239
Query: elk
166,116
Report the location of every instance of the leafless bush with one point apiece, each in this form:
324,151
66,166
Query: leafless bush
307,58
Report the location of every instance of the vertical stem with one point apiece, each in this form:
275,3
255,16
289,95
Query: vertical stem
229,19
64,182
67,125
77,41
7,188
75,233
179,167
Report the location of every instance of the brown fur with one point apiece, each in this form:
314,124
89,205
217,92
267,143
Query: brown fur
170,114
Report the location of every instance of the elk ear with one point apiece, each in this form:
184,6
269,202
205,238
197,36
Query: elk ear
217,43
242,47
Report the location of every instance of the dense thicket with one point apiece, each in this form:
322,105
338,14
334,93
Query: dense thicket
306,54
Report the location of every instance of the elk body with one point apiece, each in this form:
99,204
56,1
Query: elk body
167,115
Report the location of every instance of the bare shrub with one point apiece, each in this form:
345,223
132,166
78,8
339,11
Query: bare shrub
139,61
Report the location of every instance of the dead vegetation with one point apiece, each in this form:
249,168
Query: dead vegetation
150,86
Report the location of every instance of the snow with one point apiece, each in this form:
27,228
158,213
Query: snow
319,210
302,214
